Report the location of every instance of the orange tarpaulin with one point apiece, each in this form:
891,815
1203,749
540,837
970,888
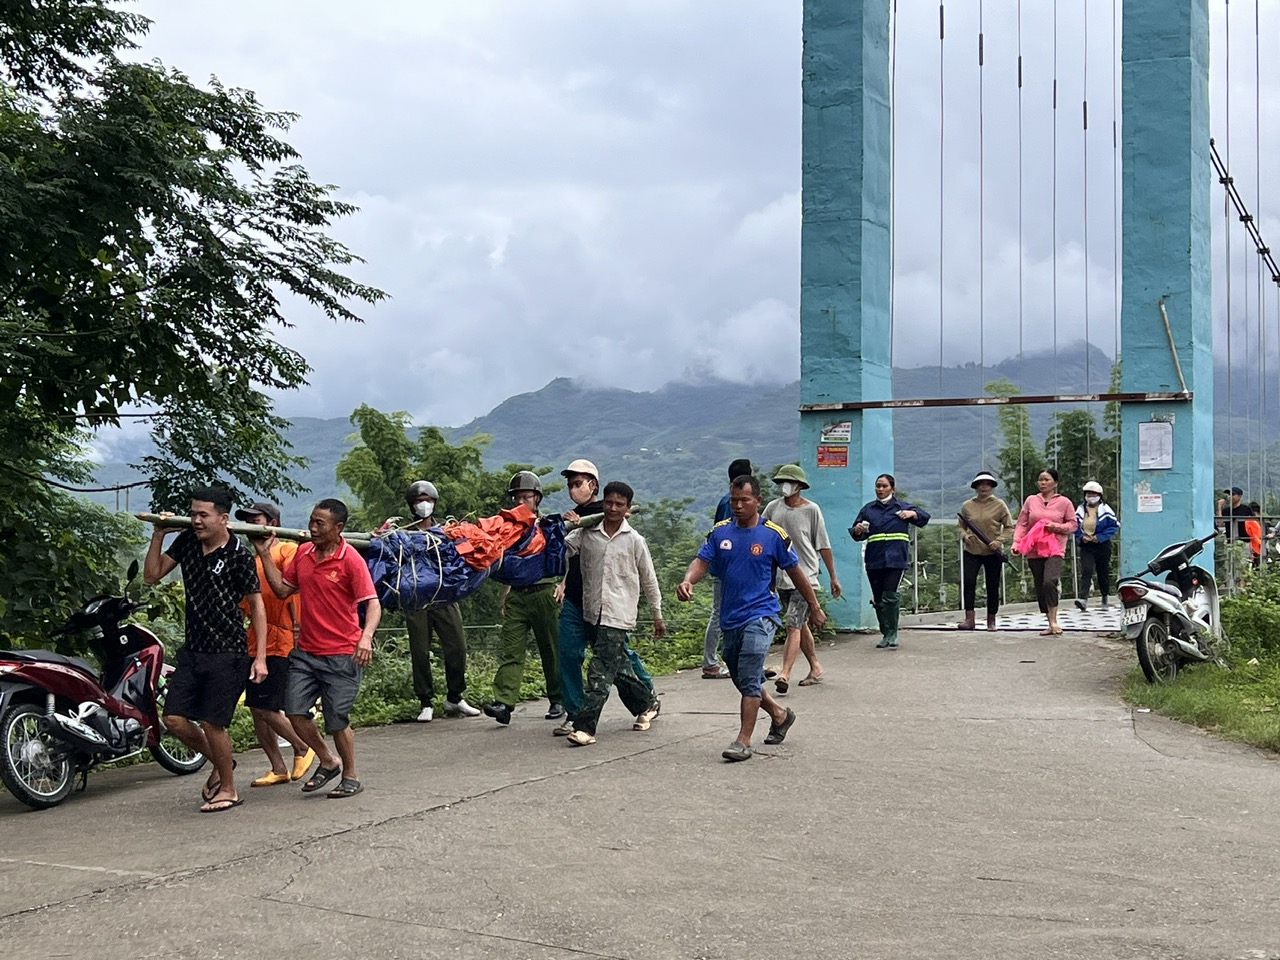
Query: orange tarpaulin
482,543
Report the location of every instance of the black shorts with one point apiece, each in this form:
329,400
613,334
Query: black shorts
206,686
269,694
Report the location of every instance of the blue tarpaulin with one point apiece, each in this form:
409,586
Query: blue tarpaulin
412,569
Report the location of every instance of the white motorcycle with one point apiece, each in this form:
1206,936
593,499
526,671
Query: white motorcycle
1174,622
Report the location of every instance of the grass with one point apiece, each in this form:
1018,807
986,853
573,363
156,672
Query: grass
1238,702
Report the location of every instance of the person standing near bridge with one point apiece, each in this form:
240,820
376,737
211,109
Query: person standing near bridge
884,524
1055,515
986,514
1096,524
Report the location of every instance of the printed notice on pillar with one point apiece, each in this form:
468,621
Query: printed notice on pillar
1151,503
833,455
837,432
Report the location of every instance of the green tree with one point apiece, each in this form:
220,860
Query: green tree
1078,452
1019,455
154,237
385,459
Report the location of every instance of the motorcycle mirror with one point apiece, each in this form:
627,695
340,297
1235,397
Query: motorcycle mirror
132,574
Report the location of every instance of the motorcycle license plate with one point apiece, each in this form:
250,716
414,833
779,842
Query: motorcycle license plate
1134,615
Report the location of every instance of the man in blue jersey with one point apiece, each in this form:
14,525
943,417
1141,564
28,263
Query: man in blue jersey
744,553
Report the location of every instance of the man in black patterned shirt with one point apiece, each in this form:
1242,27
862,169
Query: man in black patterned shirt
218,571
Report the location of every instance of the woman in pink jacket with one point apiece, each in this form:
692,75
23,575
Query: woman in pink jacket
1059,516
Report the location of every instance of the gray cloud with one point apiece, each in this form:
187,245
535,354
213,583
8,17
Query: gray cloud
611,191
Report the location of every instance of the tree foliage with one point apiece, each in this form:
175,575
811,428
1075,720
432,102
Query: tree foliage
155,236
1019,456
385,459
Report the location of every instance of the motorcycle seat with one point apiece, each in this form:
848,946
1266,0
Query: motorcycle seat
48,656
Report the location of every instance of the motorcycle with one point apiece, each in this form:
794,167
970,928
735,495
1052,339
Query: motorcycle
60,716
1175,622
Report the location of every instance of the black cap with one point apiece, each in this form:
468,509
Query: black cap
739,468
1237,491
264,507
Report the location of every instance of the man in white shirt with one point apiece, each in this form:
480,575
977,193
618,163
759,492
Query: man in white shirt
615,565
804,523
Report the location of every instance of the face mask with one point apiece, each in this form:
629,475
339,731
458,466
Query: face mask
423,509
787,488
1092,499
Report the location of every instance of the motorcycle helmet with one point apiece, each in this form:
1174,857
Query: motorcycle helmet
421,488
525,480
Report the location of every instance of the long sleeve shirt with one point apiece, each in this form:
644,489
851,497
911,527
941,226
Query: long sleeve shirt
992,517
614,570
1058,510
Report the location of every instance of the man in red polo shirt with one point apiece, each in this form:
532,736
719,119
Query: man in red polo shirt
332,650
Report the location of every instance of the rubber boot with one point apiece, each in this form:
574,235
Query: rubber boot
891,601
991,621
884,629
967,622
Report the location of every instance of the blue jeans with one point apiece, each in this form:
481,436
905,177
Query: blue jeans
711,639
745,648
572,651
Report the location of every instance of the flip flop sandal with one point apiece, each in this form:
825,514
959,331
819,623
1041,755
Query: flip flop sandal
210,790
345,788
782,685
221,806
811,681
318,779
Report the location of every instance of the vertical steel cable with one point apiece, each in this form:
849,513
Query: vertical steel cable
1054,193
1115,223
1084,119
982,237
893,162
1226,211
1022,453
942,176
1263,479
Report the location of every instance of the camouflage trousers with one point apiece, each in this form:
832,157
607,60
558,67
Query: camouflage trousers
610,666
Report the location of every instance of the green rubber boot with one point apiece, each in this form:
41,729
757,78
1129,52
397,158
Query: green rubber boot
891,602
881,617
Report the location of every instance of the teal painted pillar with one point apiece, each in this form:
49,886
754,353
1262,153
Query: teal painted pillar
845,281
1166,251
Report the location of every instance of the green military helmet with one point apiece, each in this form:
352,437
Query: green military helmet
792,472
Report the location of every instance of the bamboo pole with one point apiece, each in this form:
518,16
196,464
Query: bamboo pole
356,539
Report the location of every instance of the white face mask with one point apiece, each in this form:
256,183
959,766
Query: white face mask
423,509
787,488
1092,499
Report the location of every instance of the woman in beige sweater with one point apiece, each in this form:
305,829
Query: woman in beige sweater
991,516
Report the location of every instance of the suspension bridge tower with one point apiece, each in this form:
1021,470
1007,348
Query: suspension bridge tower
1166,335
1166,323
845,275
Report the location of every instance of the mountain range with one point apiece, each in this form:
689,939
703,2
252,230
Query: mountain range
676,441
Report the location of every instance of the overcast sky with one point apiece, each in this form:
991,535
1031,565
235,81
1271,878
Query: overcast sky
610,191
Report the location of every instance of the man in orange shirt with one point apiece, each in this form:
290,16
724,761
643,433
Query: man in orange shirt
266,700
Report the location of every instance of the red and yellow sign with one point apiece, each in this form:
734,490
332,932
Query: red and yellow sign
833,455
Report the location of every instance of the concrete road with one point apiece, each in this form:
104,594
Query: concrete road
967,796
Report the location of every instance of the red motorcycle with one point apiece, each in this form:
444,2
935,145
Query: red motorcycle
60,716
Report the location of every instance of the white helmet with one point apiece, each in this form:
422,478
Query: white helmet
1093,486
584,467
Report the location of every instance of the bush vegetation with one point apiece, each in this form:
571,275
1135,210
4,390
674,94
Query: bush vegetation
1240,701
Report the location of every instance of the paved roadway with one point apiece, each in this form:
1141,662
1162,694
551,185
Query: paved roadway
967,796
